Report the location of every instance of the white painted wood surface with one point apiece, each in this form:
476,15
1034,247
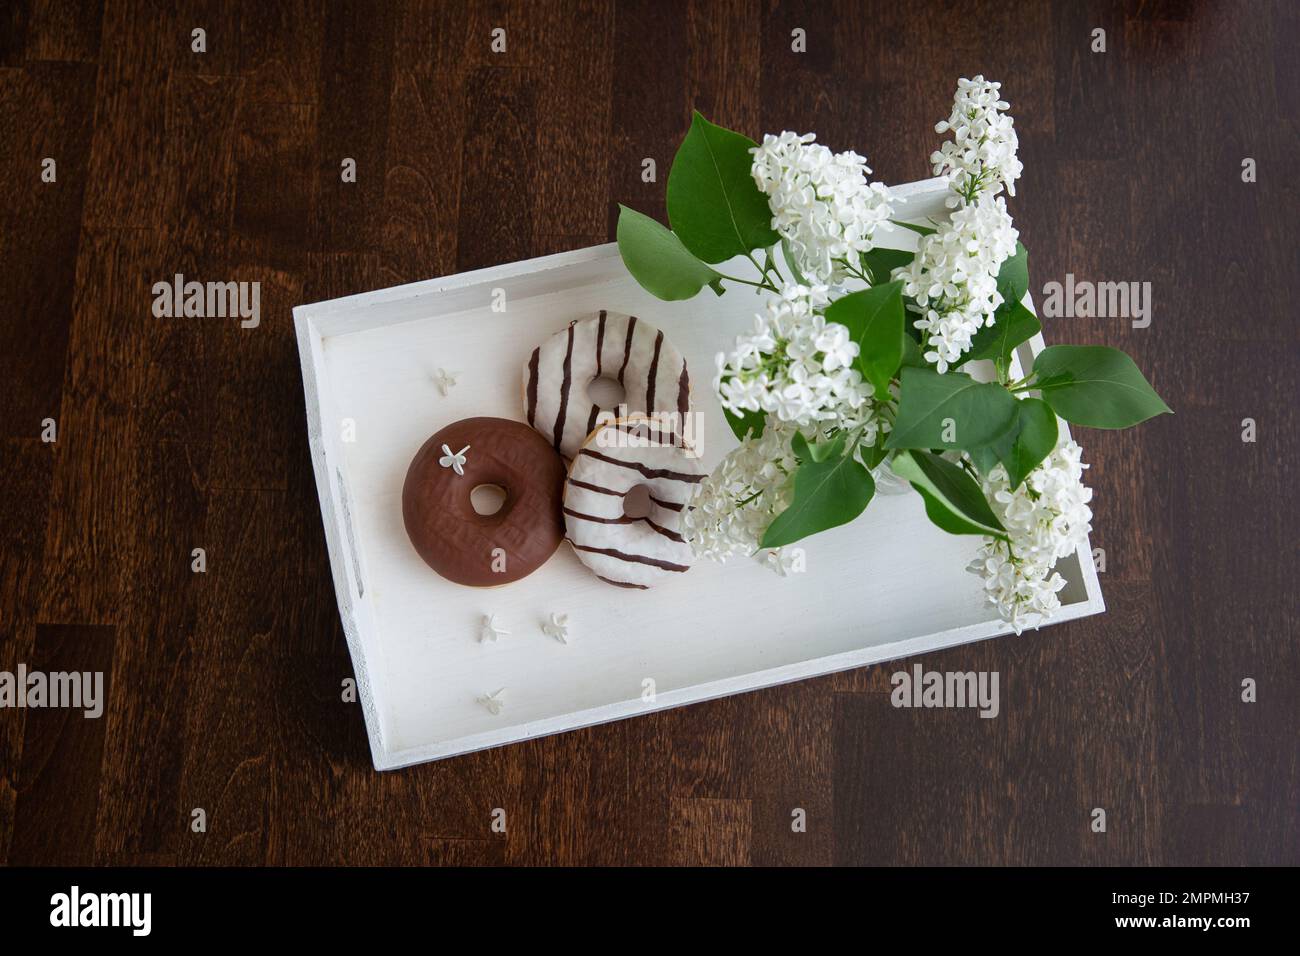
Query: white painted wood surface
889,585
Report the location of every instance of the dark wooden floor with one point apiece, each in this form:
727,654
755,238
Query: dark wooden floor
177,434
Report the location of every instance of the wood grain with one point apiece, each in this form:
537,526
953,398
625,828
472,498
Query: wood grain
62,748
173,434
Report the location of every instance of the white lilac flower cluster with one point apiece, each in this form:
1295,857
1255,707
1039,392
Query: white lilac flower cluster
1046,518
797,367
981,157
822,202
732,507
954,277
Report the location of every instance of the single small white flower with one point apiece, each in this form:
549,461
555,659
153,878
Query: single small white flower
444,380
837,348
784,561
493,701
557,627
455,460
490,630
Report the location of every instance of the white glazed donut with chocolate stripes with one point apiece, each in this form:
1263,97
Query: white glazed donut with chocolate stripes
624,550
606,345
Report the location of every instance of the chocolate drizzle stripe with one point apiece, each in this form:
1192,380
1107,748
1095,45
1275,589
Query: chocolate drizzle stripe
558,435
634,558
648,472
622,519
598,489
670,505
600,342
623,584
654,374
655,432
683,392
532,384
672,535
591,419
627,347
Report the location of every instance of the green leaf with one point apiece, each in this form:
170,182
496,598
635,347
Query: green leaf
742,425
949,411
873,456
985,458
827,494
1035,436
1095,386
1013,324
918,229
658,261
953,499
874,318
1013,277
1023,448
713,204
913,310
824,450
912,356
880,263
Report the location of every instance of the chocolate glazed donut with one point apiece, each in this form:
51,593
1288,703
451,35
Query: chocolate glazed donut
484,550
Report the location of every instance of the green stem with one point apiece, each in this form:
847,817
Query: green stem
765,284
853,271
771,264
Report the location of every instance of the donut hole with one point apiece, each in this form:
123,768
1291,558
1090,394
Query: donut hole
606,393
487,500
636,503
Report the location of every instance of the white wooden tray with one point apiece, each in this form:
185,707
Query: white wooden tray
889,585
